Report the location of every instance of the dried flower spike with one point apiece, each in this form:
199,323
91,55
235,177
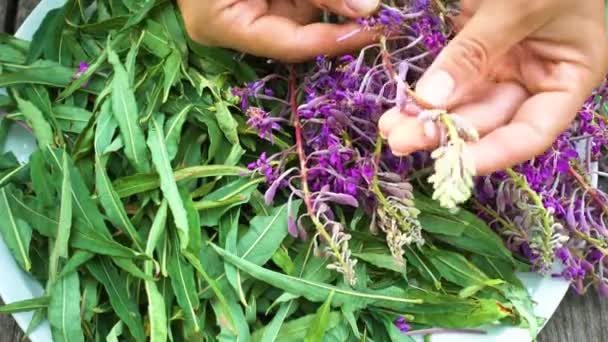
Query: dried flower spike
454,167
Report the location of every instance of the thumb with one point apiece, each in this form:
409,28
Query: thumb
349,8
492,31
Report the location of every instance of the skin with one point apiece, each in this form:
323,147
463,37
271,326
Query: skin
518,70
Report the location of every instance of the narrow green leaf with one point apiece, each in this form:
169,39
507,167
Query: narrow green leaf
295,330
157,311
456,268
16,233
129,266
265,235
173,130
136,184
171,68
182,281
43,72
25,305
35,119
64,227
320,324
71,119
115,333
64,309
124,108
113,205
227,123
384,261
78,259
124,306
241,188
106,127
271,331
315,291
168,186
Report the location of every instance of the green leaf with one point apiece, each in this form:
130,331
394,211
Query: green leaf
78,259
112,204
241,188
497,269
124,108
47,35
64,227
16,233
271,331
71,119
384,261
168,186
281,258
106,127
140,14
157,311
25,305
521,300
129,266
123,305
42,72
315,291
265,235
35,119
456,268
64,309
173,130
295,330
184,286
320,324
227,123
171,68
136,184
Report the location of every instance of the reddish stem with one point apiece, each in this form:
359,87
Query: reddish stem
299,143
592,191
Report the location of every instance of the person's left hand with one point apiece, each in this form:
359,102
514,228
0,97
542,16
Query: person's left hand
286,30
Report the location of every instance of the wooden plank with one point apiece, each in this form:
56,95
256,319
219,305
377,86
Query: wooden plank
25,8
9,330
3,8
579,318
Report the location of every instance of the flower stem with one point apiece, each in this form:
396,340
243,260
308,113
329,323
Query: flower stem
304,169
591,190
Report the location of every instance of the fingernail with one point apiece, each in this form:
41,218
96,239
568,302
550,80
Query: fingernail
436,88
363,7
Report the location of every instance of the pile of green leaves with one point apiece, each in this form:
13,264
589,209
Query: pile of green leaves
136,214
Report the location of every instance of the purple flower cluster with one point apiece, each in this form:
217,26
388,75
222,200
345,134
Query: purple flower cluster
401,324
565,177
262,122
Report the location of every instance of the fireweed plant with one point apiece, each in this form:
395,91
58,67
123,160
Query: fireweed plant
179,192
546,209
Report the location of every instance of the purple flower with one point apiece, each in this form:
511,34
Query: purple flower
262,122
82,68
263,167
402,325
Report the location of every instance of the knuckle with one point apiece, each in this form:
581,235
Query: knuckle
472,55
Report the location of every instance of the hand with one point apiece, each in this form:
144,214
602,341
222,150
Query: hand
286,30
518,70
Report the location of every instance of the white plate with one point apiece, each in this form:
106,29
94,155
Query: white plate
16,285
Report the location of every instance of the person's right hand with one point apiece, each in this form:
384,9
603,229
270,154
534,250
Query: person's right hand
286,30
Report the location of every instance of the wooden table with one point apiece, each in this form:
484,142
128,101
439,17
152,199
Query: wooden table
578,319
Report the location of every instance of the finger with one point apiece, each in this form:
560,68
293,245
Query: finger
534,128
302,12
483,40
349,8
499,105
283,39
392,118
